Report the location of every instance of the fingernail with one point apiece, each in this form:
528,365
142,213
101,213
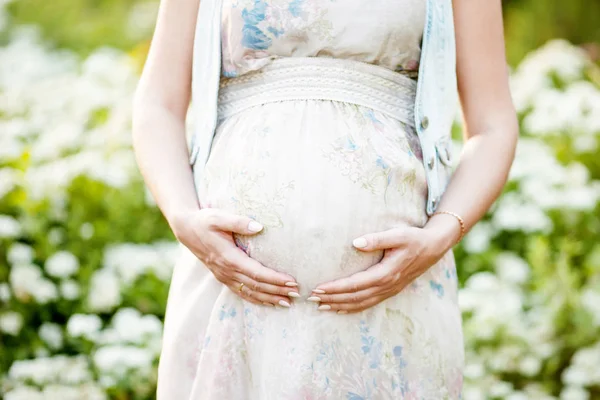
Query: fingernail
291,284
314,298
254,226
293,294
319,291
269,304
360,242
284,303
324,307
342,312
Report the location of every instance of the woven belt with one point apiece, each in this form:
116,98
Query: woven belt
318,78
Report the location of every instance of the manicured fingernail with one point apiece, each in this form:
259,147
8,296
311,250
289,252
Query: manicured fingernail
319,291
360,242
342,312
314,298
269,304
291,284
284,303
254,226
324,307
293,294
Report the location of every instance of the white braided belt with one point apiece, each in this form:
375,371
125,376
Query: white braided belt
319,78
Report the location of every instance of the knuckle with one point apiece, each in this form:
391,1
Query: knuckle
212,221
386,279
374,240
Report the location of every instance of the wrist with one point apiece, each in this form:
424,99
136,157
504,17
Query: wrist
178,220
446,231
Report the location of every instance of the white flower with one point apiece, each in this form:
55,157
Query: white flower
117,360
585,144
9,179
474,371
69,289
63,392
9,227
4,292
474,393
62,264
590,300
11,322
105,291
574,393
52,335
132,260
530,366
46,370
513,214
86,231
82,325
500,389
19,253
132,327
27,282
24,393
575,376
512,268
56,235
517,396
479,237
483,282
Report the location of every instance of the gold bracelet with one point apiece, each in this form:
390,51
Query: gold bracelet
463,230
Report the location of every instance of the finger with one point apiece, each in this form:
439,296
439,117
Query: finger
265,298
392,238
229,222
340,298
377,275
250,267
235,288
349,308
284,291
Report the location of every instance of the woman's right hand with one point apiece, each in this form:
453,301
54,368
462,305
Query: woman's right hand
208,233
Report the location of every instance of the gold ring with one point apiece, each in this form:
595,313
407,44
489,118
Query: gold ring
241,287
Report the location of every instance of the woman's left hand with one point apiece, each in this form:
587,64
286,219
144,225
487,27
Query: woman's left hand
408,253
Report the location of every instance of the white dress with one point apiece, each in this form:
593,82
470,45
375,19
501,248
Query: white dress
316,173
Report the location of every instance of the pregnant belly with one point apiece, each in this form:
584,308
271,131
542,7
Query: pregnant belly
316,174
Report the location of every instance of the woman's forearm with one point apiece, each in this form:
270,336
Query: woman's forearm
161,152
478,179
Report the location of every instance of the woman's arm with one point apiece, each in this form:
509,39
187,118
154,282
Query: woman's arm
489,119
160,106
491,132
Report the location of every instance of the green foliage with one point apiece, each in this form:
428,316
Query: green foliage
84,25
531,23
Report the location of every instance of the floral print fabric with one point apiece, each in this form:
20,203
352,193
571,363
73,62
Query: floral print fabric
382,32
316,174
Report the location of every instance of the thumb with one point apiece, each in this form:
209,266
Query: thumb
391,238
236,223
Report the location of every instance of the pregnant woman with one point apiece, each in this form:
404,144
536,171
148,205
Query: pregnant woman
317,259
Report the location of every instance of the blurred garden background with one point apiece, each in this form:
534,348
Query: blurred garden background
85,256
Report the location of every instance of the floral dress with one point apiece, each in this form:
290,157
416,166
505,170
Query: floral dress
316,173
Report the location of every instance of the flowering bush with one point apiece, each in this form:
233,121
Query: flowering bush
531,269
85,257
